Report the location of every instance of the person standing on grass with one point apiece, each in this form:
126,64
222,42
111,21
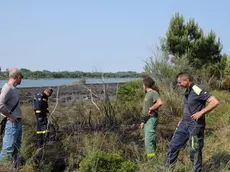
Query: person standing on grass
10,108
192,125
149,119
41,111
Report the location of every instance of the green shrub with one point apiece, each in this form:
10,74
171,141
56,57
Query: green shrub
226,84
130,92
127,166
129,102
103,162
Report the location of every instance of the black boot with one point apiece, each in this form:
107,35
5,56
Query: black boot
18,161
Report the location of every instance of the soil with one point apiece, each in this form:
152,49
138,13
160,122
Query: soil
68,93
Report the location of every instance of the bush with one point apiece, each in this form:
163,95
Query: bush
129,102
226,84
130,92
102,162
127,166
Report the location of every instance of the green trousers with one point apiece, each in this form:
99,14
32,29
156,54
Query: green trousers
150,136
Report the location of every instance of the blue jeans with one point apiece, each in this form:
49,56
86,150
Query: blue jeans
192,132
11,141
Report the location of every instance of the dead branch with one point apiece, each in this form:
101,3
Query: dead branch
56,102
91,96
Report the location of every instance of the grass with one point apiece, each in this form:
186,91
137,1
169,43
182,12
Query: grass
6,167
216,151
80,137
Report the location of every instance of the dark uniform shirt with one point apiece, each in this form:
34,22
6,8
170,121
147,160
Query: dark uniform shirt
41,103
194,101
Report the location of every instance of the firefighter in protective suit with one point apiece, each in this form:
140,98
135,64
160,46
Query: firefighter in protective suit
41,111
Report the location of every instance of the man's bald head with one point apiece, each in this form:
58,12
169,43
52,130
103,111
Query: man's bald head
15,73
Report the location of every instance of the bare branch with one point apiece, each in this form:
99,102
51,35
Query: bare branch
56,102
91,95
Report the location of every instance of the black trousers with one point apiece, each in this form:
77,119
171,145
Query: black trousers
42,129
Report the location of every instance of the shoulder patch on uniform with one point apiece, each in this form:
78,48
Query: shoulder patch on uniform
196,89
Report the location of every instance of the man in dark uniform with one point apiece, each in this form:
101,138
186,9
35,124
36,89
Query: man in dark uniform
192,125
41,111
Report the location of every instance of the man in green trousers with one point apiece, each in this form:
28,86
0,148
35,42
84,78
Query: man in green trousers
149,119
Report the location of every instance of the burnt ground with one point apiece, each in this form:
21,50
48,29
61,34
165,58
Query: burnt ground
70,92
67,93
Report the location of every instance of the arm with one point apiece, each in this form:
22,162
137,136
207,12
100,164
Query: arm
155,106
212,103
4,97
38,103
41,104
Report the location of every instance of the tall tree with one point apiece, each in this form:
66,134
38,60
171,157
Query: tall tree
189,39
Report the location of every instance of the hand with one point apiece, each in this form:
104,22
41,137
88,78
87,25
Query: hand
151,112
142,125
13,120
196,116
178,123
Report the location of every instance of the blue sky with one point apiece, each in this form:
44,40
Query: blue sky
96,35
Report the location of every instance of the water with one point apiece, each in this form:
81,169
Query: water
55,82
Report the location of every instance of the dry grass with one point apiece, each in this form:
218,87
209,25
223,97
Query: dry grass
81,138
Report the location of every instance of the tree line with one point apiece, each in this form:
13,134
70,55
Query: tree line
45,74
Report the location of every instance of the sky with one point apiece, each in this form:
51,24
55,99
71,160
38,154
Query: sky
96,35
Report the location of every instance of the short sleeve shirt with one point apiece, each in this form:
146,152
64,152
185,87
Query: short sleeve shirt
194,101
150,98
